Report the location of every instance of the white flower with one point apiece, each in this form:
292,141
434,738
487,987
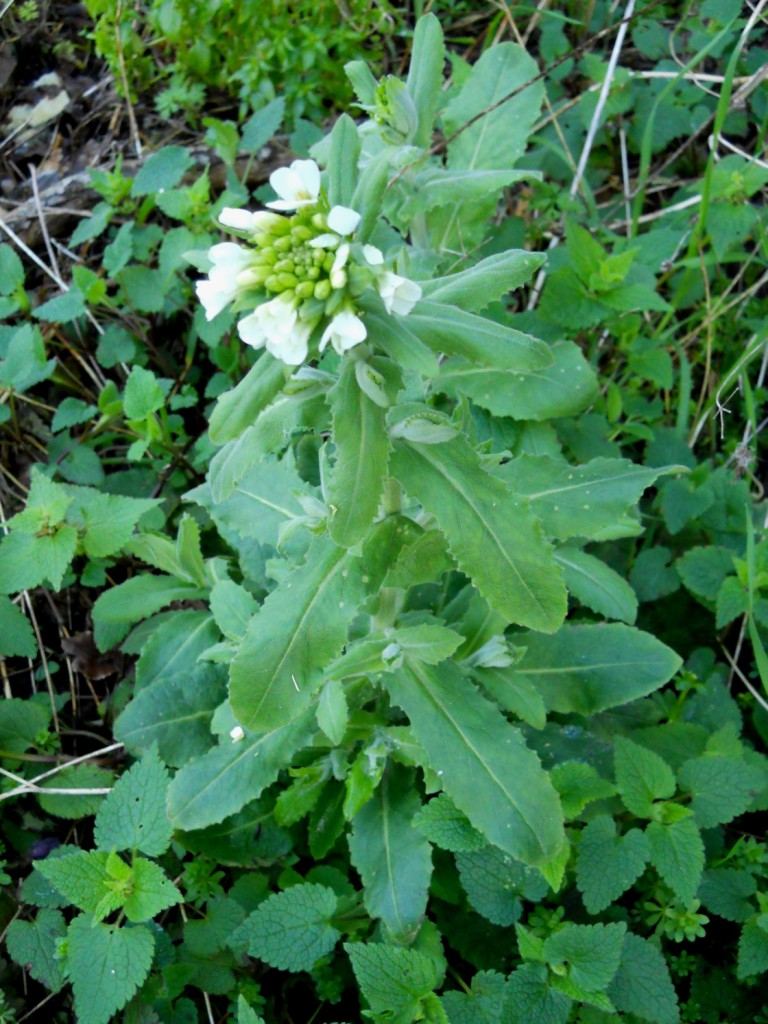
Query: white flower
342,220
338,275
373,256
244,220
237,734
398,293
275,326
229,261
297,185
344,332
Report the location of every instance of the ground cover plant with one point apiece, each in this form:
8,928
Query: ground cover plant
424,567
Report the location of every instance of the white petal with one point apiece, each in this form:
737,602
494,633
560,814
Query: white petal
297,185
340,260
309,173
291,348
230,256
327,241
373,256
344,332
251,332
284,204
240,220
212,298
237,734
343,220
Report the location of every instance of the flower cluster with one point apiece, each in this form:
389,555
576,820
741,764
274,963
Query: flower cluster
299,273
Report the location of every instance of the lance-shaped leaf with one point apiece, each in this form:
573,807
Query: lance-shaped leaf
491,533
237,409
362,449
394,859
579,501
562,389
393,336
218,784
596,585
449,330
590,668
301,626
342,166
439,186
482,761
425,75
490,279
117,609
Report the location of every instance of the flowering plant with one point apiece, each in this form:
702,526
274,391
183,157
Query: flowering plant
310,265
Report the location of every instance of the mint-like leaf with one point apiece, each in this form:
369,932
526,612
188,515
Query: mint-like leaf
641,777
607,864
107,965
291,930
133,817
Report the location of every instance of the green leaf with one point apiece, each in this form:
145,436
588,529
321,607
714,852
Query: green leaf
482,761
590,953
596,585
144,289
428,643
219,783
72,805
62,309
22,724
162,170
703,570
492,278
393,980
590,668
578,785
395,338
109,519
513,693
392,858
142,395
33,946
491,534
530,999
444,825
440,186
24,363
425,75
753,948
608,864
728,893
723,787
484,1004
150,893
496,884
237,409
17,639
677,853
11,270
133,817
257,503
175,646
292,930
342,162
300,627
577,501
27,560
261,126
115,611
107,965
564,388
84,879
450,331
642,985
233,607
641,777
362,449
332,711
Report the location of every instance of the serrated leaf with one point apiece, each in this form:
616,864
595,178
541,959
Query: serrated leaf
482,761
563,389
24,363
728,893
677,853
300,627
133,817
513,693
219,783
22,724
84,880
485,282
441,186
392,979
162,170
595,585
392,858
483,1004
589,668
175,646
109,519
722,787
530,1000
107,965
590,952
752,955
27,560
362,449
447,827
578,785
641,777
642,985
577,501
496,884
151,891
291,930
33,946
492,535
703,570
608,864
17,638
233,607
261,126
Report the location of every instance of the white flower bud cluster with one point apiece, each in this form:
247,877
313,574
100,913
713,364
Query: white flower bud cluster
294,272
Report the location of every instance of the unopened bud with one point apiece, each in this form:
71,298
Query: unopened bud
283,244
323,290
305,289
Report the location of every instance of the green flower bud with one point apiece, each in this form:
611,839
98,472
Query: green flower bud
285,266
283,244
305,289
320,221
272,284
318,257
269,256
323,290
313,273
328,262
300,234
287,281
